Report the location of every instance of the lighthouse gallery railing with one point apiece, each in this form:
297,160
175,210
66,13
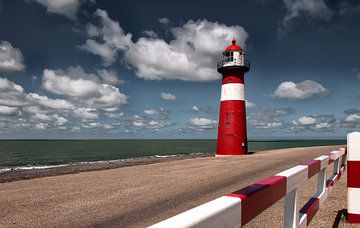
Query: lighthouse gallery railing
230,61
238,208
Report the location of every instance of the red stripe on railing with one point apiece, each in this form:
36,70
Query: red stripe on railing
354,168
259,196
310,209
313,167
353,218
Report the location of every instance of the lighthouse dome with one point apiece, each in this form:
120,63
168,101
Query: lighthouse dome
234,47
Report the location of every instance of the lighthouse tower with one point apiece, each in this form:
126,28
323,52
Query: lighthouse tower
232,137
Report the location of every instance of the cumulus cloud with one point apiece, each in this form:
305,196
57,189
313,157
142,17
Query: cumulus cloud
164,20
48,102
11,94
270,118
311,9
66,8
11,59
82,89
86,114
168,96
190,56
148,123
9,111
307,120
300,91
45,120
160,111
107,53
317,122
113,38
195,108
352,118
200,123
250,104
109,76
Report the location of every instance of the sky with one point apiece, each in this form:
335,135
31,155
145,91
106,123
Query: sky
87,69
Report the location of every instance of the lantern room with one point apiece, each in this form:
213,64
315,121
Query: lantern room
233,57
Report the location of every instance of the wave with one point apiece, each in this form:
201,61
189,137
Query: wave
39,167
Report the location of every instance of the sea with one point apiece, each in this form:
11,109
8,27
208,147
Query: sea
39,154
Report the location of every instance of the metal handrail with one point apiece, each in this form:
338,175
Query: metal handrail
233,62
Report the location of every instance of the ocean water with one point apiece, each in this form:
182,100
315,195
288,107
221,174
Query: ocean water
44,153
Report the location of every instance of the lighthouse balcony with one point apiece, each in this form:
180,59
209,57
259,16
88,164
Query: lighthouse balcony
227,63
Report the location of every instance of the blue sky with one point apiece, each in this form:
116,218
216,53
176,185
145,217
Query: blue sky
147,69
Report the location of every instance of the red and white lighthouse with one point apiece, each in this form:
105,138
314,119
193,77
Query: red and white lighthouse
232,136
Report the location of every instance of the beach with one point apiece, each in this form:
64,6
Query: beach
150,191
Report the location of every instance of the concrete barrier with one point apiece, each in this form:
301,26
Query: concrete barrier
238,208
353,178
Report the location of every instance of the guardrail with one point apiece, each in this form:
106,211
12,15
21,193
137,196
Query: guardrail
353,177
238,208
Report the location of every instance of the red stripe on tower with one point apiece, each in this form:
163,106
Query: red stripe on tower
232,136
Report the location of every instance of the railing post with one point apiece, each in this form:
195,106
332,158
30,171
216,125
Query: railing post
291,215
336,166
353,177
321,186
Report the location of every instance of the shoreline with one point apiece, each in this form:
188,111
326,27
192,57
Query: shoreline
31,172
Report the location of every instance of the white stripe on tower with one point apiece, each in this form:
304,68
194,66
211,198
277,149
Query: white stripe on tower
232,91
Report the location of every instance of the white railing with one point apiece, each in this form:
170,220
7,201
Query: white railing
238,208
231,62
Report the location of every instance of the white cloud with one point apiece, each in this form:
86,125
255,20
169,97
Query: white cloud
54,119
48,102
85,91
67,8
352,118
306,120
190,56
164,20
41,126
315,122
109,76
250,104
200,121
115,115
195,108
313,9
113,38
11,59
145,122
106,52
11,94
270,118
299,91
9,111
155,111
86,114
150,33
168,96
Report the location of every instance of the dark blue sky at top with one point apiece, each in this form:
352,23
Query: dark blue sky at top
323,50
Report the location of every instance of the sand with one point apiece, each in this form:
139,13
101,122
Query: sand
141,195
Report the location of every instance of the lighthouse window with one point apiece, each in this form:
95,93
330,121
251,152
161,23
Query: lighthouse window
227,124
229,56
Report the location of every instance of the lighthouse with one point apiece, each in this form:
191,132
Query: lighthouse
232,136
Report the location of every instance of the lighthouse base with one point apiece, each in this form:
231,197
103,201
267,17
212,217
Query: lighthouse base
222,155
